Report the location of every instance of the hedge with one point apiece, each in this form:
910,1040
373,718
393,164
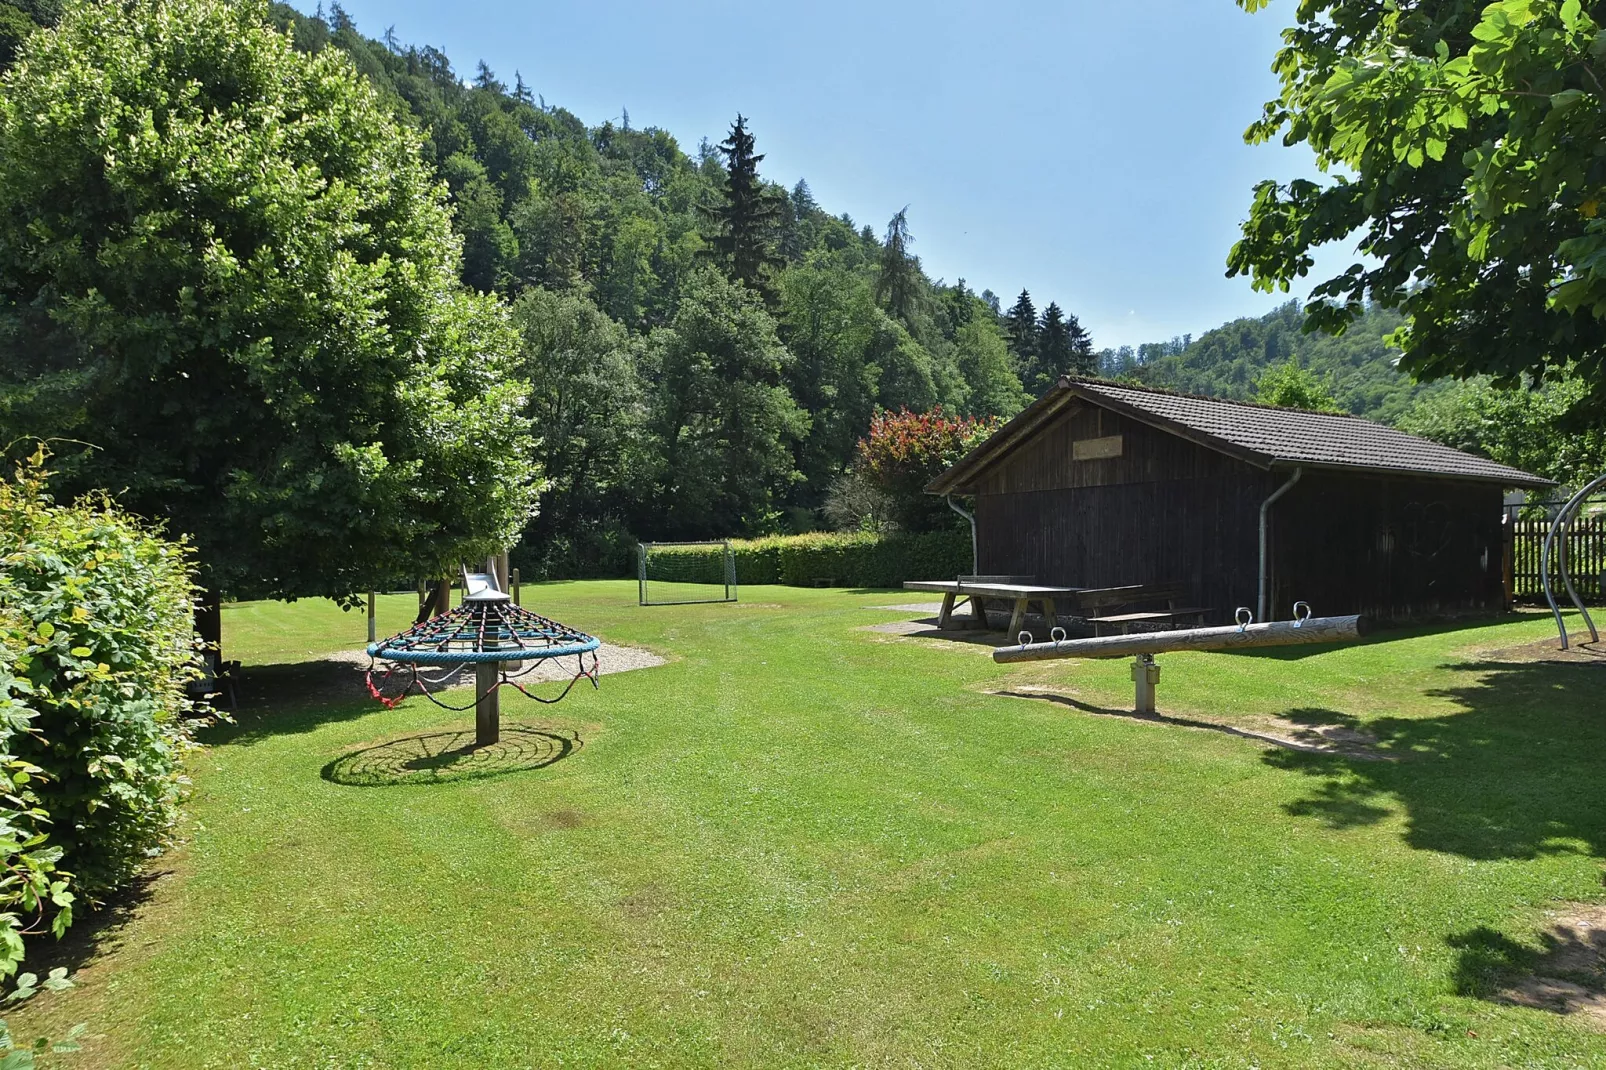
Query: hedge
96,647
822,558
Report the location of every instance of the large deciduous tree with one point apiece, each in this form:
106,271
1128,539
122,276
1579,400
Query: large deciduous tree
1464,144
587,409
723,425
223,264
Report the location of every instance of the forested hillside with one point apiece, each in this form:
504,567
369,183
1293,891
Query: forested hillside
706,346
1357,366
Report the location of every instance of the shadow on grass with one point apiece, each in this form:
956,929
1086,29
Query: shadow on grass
1519,772
445,757
1313,742
1491,963
93,931
293,697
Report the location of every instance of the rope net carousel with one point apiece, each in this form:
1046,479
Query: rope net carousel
504,643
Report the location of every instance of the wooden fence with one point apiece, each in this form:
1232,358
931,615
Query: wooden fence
1586,558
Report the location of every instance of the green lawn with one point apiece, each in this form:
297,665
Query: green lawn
803,844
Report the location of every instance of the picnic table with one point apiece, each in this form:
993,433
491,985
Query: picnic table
999,588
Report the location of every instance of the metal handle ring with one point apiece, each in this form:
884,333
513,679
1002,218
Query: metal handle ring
1024,638
1244,616
1056,635
1301,618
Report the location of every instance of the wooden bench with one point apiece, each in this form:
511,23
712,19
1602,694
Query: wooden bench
1149,594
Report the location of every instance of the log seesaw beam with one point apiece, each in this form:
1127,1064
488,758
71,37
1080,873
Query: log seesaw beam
1144,645
1227,637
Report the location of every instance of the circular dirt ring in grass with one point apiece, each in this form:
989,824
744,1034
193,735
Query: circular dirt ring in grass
443,757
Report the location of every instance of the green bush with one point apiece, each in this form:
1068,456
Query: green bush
31,883
98,651
843,560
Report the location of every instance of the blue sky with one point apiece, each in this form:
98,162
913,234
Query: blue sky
1088,150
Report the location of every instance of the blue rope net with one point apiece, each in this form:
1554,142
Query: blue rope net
493,631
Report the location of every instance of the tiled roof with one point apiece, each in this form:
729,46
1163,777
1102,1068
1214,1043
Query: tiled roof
1259,434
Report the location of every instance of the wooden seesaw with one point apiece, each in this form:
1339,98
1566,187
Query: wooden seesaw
1145,645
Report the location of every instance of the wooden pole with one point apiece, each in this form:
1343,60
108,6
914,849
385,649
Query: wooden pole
516,587
373,630
1230,637
487,703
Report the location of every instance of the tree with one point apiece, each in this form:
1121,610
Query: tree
983,356
1527,428
587,408
1020,325
722,420
1465,139
904,451
745,221
224,264
1053,357
1292,387
897,285
1084,360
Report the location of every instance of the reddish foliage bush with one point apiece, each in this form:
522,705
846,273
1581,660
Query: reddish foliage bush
906,450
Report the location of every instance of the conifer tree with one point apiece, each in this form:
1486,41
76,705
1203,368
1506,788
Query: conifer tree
746,220
803,202
896,286
1020,326
1053,357
485,78
1084,360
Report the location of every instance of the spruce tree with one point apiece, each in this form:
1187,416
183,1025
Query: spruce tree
896,286
1084,360
746,221
1053,358
803,202
1020,326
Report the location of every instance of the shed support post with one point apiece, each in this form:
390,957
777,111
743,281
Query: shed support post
1145,675
487,703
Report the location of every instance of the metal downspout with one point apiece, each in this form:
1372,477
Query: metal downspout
1265,513
974,558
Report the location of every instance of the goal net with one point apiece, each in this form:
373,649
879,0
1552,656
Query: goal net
676,573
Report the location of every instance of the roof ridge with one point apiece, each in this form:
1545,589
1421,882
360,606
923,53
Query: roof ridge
1145,388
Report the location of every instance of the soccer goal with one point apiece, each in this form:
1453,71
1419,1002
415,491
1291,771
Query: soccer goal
678,573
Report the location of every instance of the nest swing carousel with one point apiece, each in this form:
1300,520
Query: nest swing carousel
502,642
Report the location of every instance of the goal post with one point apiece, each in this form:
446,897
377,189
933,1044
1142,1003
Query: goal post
682,573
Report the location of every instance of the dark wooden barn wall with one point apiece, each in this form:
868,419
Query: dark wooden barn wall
1390,548
1170,511
1165,511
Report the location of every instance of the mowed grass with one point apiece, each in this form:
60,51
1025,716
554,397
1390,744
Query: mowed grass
800,843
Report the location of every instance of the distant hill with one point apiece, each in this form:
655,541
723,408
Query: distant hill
1225,362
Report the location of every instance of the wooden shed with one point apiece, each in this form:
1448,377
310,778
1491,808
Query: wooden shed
1102,484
